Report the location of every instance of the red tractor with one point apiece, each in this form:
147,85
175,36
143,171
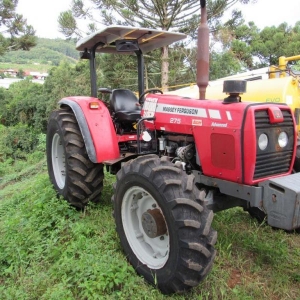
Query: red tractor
177,160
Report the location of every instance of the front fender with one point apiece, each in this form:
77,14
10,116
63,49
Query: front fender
96,127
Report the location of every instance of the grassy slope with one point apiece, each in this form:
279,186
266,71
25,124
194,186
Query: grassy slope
50,251
46,54
42,68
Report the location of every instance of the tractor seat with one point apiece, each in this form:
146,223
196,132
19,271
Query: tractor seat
125,105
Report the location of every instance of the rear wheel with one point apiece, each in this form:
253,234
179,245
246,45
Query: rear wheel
71,172
163,228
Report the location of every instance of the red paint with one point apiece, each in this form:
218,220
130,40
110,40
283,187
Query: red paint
217,132
101,128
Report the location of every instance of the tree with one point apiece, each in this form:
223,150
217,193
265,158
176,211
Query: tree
275,42
223,64
15,33
21,103
65,80
21,73
257,48
180,15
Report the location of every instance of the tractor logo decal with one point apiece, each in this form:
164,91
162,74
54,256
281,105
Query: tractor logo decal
215,124
151,107
181,110
197,122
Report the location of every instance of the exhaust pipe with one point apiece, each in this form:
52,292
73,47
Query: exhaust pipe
203,52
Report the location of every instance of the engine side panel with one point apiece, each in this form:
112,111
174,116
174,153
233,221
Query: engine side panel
225,134
216,129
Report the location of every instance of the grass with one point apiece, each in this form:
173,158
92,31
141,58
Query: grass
32,67
51,251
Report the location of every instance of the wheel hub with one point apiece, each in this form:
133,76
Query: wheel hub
153,223
58,161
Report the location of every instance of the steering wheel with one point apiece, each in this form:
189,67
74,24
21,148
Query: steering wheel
155,90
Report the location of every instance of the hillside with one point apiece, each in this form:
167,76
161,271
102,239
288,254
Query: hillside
50,251
47,53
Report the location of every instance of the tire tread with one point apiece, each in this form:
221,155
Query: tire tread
84,179
191,220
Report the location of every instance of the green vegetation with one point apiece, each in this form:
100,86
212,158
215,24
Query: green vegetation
256,48
51,251
46,54
28,66
161,15
15,33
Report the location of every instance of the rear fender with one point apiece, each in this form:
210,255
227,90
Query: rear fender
96,128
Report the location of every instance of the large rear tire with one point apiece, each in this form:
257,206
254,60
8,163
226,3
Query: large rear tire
164,229
71,172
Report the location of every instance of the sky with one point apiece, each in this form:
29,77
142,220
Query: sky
43,14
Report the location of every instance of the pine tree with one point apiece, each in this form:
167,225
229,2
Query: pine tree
15,33
177,15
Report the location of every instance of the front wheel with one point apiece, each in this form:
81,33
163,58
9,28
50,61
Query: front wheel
163,228
71,172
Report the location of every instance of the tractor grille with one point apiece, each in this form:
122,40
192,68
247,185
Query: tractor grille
273,161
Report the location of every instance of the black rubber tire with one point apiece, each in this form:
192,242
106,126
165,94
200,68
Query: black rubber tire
257,214
297,161
83,179
191,238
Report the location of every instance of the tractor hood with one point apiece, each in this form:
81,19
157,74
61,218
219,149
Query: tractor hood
148,39
227,134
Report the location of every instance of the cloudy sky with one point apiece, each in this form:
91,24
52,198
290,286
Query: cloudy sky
43,14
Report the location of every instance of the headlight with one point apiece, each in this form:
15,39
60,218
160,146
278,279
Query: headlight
283,139
263,141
